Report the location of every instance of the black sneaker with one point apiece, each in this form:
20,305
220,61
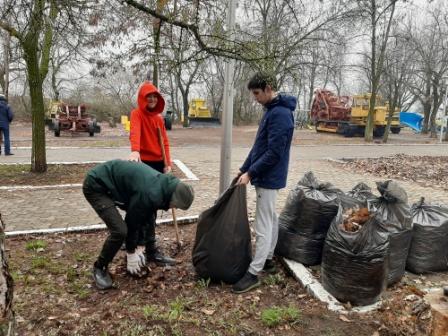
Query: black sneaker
269,266
246,283
8,154
160,259
445,290
102,277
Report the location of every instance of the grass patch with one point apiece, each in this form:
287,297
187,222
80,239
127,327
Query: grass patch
274,316
151,312
203,283
177,307
274,279
79,288
40,262
80,256
13,170
34,245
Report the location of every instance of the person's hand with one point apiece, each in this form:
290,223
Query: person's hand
133,263
134,156
167,169
140,250
243,179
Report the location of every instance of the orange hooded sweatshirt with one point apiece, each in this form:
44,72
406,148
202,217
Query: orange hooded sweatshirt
144,124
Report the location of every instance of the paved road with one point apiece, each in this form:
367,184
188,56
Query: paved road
311,152
55,208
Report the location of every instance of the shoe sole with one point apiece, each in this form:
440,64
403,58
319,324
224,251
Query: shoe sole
255,285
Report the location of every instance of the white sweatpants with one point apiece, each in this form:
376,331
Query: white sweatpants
266,228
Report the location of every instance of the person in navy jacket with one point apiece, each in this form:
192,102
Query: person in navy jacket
266,167
6,117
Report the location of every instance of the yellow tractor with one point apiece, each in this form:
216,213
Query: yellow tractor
199,114
360,110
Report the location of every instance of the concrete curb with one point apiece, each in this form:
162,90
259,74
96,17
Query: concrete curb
316,290
93,228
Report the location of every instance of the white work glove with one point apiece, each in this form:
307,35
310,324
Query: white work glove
134,156
133,263
140,250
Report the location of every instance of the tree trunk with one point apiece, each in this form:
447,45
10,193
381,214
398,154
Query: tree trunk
185,108
7,50
155,61
38,154
426,105
435,107
7,319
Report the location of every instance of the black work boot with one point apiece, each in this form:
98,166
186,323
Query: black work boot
445,290
158,258
102,277
269,266
246,283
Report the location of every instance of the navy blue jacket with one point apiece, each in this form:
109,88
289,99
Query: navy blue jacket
267,162
6,114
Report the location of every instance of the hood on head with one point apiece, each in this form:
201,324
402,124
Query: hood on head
145,89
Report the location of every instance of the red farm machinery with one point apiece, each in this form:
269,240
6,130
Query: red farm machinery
71,118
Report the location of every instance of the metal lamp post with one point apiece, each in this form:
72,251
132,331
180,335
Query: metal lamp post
227,114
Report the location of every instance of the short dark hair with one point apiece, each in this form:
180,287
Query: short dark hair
262,79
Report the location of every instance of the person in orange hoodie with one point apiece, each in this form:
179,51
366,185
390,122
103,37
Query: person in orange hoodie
146,123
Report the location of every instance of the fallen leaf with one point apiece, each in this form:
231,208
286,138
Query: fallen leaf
344,318
208,312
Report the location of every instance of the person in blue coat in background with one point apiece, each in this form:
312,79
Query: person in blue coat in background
266,167
6,117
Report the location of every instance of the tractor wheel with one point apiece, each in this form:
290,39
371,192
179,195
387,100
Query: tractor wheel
379,132
91,128
168,123
395,130
56,128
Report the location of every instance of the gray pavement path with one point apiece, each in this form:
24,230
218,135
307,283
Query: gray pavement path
55,208
309,152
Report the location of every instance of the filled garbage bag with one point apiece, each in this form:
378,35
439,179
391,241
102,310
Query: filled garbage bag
222,249
354,264
361,192
429,245
393,208
305,219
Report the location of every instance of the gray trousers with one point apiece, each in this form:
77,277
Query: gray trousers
266,228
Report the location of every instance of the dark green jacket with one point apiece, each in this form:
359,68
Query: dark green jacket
135,187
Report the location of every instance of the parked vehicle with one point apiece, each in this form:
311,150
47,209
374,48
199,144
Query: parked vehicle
348,115
72,118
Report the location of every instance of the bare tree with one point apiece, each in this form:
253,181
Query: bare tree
379,15
7,318
431,46
33,25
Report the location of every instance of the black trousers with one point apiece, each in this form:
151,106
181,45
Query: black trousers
119,230
147,232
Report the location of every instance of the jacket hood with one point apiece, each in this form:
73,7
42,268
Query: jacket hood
287,101
145,89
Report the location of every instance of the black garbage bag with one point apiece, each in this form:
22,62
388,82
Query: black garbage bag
393,208
222,249
429,246
354,264
305,219
361,192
